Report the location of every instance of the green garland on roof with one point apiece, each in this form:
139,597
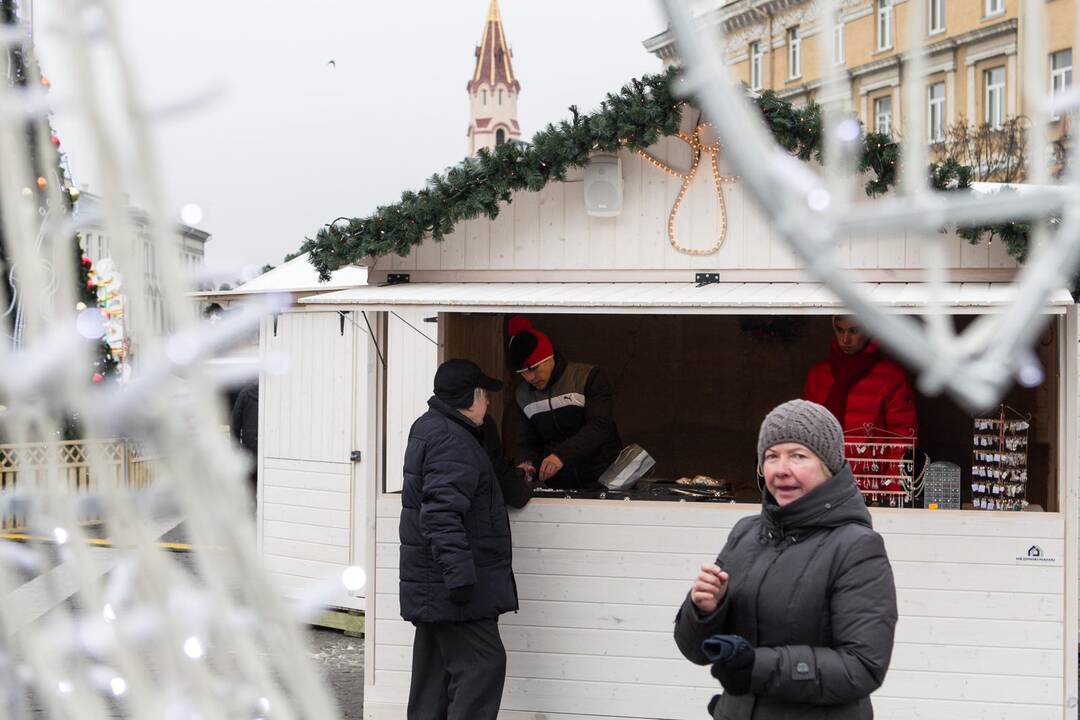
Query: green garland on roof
636,117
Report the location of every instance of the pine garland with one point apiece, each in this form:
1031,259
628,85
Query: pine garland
636,117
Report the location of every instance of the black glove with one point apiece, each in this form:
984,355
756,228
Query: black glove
733,662
461,595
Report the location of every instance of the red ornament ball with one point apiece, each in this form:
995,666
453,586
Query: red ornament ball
98,377
86,260
89,284
55,140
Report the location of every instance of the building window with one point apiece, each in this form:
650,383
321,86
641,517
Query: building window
483,97
756,61
884,24
936,21
994,80
883,115
794,53
936,112
1060,74
838,40
500,96
995,7
500,136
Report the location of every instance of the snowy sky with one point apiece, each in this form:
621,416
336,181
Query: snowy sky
291,142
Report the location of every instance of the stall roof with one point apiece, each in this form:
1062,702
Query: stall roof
665,298
295,276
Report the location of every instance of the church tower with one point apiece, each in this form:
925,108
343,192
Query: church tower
493,90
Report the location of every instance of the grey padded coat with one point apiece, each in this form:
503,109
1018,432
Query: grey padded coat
812,589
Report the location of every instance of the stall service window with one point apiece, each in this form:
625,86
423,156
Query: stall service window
794,53
994,98
883,115
1060,74
756,61
936,112
884,24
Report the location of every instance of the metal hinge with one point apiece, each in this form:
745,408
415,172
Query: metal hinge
397,278
706,278
355,456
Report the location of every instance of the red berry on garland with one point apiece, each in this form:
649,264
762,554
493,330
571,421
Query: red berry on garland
86,260
55,141
98,377
89,284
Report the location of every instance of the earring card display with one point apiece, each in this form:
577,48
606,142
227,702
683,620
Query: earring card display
941,489
883,465
999,466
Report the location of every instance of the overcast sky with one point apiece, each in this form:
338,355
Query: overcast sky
293,142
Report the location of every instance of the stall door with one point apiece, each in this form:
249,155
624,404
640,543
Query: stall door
311,498
412,355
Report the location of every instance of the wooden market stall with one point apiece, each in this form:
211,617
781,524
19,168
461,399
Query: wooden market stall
988,600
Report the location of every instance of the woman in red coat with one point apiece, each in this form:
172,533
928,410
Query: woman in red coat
864,391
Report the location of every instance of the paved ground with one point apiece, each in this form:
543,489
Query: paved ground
342,661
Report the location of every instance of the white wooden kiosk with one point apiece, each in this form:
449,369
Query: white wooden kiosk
305,496
985,630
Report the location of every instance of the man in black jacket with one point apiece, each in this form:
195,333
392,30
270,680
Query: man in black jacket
245,428
455,569
568,436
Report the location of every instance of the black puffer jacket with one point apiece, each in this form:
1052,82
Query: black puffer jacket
454,528
573,418
812,589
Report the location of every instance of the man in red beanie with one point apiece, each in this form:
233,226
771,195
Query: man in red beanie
568,436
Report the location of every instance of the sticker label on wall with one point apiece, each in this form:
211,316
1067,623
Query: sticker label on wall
1036,554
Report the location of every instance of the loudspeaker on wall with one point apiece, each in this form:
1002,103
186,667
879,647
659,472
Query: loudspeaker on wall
603,185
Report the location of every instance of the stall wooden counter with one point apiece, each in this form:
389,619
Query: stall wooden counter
981,631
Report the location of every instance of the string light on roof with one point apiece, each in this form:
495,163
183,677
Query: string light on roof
697,147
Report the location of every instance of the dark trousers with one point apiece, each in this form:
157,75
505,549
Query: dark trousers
458,671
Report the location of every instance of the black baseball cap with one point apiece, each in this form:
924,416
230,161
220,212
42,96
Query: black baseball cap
456,381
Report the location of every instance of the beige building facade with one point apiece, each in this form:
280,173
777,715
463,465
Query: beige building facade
974,61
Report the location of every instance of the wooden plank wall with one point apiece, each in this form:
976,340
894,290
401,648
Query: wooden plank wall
412,355
549,230
306,500
981,633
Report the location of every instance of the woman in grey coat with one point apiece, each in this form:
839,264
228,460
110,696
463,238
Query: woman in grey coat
798,612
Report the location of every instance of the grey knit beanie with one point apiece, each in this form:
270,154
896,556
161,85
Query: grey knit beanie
806,423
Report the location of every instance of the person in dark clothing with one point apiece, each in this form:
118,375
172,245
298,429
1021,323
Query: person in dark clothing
245,428
455,565
798,612
568,436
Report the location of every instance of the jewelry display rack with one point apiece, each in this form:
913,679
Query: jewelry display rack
999,466
883,465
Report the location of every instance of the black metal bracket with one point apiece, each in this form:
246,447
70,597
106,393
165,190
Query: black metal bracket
397,278
703,279
355,456
341,320
433,319
275,323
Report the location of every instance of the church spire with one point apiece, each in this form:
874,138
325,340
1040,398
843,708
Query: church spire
494,88
493,55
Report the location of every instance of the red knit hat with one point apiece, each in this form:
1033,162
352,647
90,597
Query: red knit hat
527,346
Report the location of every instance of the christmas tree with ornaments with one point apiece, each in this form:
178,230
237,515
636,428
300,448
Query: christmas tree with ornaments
46,169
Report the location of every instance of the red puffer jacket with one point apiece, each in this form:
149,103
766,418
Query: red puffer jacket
882,398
